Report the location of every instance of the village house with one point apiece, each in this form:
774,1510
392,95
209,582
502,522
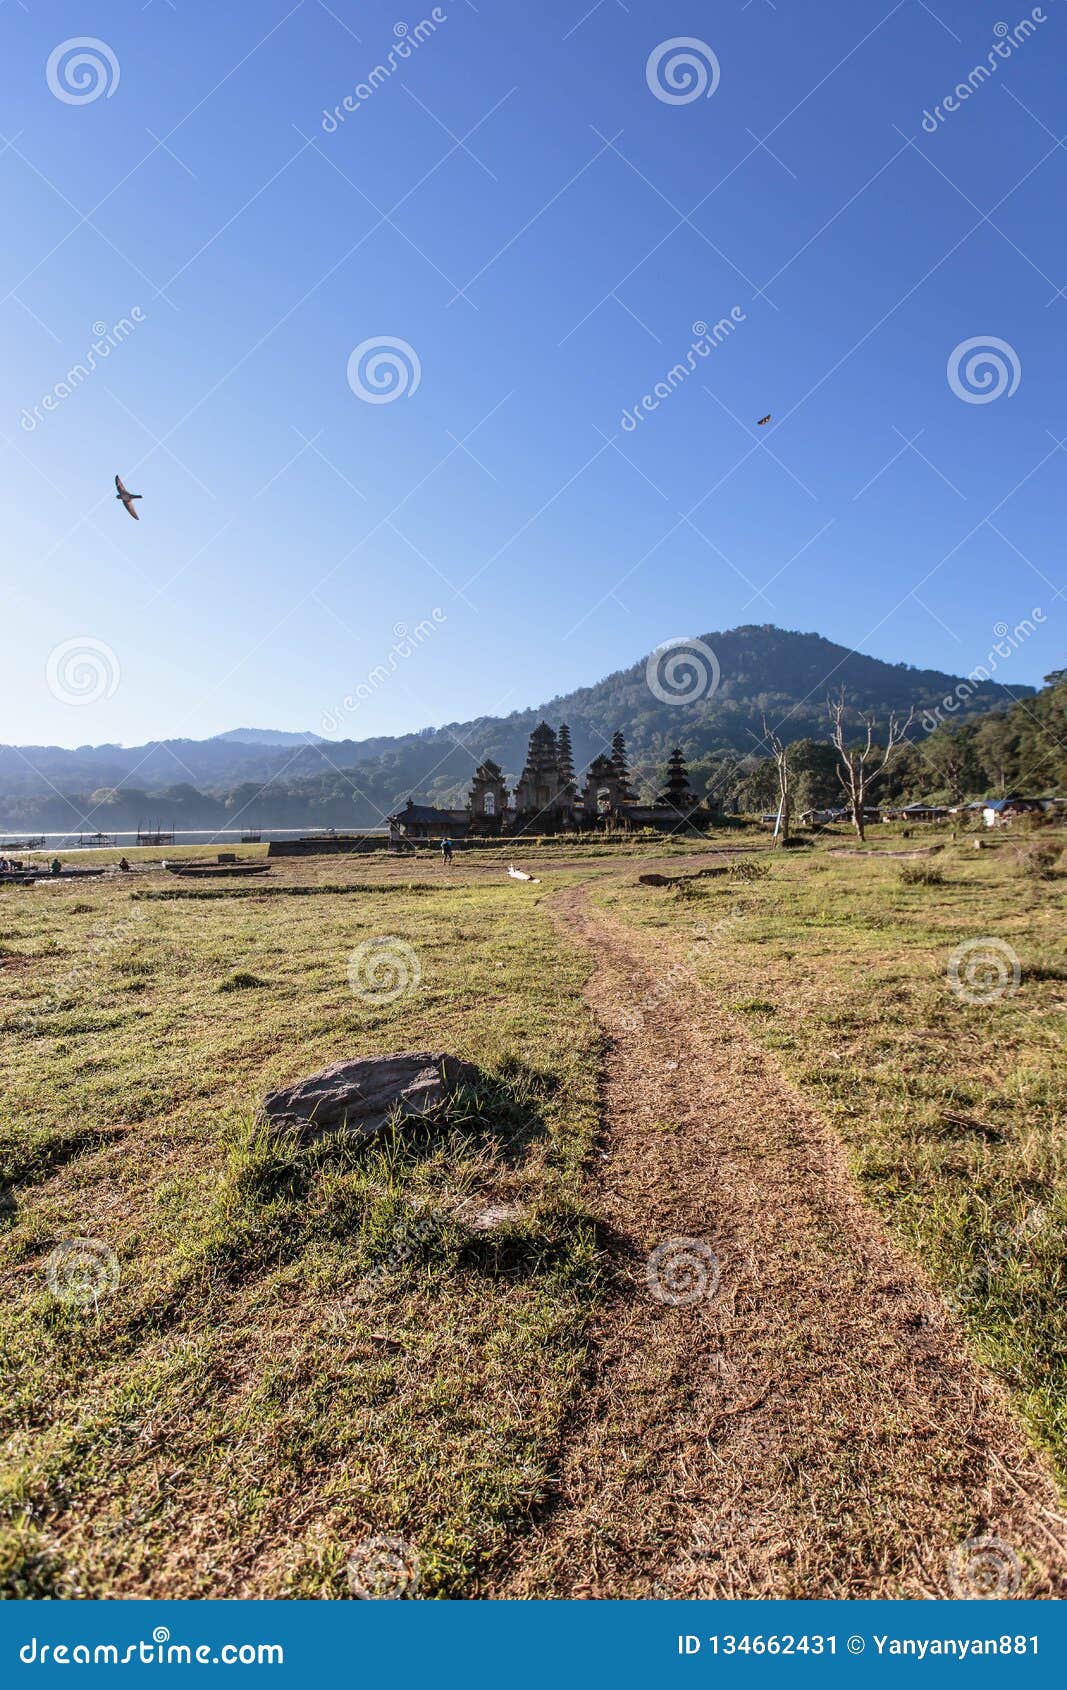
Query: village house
1000,812
547,797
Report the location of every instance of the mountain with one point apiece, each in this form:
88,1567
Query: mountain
255,776
268,736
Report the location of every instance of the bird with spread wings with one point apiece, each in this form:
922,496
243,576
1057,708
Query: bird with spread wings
127,497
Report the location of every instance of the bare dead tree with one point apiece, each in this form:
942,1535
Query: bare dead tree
861,765
780,753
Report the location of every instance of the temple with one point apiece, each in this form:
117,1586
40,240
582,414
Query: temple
549,799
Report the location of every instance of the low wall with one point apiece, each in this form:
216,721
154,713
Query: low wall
345,844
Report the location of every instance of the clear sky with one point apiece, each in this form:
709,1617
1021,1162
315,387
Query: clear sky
516,201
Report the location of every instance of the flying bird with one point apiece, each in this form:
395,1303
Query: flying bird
127,497
763,420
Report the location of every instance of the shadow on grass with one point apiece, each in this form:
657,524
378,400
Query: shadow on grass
397,1196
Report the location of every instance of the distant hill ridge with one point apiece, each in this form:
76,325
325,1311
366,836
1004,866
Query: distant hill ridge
761,670
268,736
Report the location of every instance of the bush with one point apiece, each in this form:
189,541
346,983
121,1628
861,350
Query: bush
1038,861
917,874
746,869
242,981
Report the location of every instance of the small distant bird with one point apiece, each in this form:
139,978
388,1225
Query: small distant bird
127,497
764,420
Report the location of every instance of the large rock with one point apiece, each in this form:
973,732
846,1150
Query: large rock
356,1099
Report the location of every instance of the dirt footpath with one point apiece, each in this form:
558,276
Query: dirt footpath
780,1406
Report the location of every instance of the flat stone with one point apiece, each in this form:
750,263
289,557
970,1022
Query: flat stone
356,1099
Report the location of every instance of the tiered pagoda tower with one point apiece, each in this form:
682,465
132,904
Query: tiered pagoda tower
678,794
544,793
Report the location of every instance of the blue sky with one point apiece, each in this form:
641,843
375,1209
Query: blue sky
516,203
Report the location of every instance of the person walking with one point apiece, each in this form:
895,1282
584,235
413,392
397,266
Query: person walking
446,852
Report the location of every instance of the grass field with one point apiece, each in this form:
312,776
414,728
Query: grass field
290,1334
950,1098
296,1350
